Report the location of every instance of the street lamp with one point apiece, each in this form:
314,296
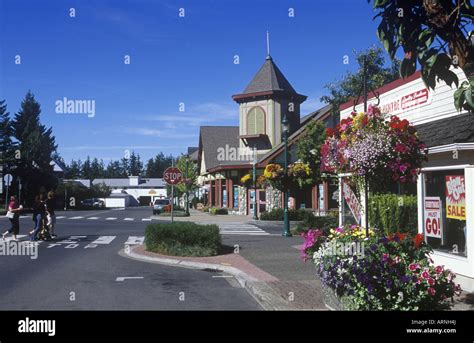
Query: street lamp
254,163
286,129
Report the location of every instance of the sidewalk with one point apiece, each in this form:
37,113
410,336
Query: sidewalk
269,267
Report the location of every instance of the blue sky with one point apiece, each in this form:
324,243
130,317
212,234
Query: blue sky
173,60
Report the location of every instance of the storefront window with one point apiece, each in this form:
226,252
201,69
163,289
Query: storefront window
444,211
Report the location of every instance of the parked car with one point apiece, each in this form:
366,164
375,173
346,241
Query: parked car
93,202
159,205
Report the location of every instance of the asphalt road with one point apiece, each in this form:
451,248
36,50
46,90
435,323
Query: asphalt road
82,270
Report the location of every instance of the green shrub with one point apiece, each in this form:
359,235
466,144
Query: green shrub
310,221
216,210
277,214
183,239
175,214
391,213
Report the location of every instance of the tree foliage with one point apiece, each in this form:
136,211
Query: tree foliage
434,34
350,86
309,147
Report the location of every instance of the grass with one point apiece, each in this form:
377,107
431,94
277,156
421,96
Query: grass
175,214
183,239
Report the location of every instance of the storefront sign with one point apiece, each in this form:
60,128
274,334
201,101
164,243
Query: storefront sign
351,201
432,211
455,197
405,102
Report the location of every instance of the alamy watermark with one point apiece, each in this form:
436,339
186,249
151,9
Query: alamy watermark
343,249
228,153
68,106
15,248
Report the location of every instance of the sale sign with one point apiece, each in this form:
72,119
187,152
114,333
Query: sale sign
455,197
352,201
432,211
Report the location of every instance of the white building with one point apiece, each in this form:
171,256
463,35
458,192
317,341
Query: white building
445,188
143,190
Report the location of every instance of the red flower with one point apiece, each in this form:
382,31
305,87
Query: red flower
401,236
431,281
439,269
432,291
417,240
329,132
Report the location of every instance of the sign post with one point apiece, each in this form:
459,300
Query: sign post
8,180
172,176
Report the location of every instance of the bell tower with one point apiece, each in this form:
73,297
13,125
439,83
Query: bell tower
263,105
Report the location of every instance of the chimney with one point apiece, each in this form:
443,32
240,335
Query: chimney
134,180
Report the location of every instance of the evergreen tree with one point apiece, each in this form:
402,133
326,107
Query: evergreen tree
74,170
6,144
36,146
86,170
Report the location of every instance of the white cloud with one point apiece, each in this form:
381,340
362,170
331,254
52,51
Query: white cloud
158,133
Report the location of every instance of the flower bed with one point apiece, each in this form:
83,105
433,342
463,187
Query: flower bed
391,272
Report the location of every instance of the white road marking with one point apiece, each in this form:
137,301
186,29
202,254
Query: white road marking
236,228
19,238
224,276
93,218
104,240
129,219
110,218
60,217
89,246
132,240
123,278
146,219
78,217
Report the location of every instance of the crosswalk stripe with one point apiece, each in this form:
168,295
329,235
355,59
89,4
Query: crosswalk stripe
252,233
129,219
135,240
110,218
104,240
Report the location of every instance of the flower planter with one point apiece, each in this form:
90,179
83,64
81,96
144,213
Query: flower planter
331,300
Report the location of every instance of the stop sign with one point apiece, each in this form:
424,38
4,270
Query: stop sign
172,176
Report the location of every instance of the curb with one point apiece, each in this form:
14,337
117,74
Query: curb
267,298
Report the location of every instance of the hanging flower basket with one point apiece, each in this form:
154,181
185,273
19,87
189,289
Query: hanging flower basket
371,146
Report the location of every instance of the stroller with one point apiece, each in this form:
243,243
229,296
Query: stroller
44,233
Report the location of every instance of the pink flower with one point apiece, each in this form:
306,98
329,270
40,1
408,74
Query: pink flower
425,275
431,281
413,266
439,269
402,168
432,291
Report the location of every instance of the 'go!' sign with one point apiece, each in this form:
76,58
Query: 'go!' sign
172,176
432,211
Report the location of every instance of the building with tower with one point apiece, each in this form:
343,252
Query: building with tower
226,153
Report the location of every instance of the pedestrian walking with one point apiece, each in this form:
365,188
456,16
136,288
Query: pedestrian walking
39,213
50,215
13,215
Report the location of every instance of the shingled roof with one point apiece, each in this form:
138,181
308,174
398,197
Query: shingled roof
456,129
269,79
211,138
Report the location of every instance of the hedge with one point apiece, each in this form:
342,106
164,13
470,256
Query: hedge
277,214
183,239
391,213
216,210
311,221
